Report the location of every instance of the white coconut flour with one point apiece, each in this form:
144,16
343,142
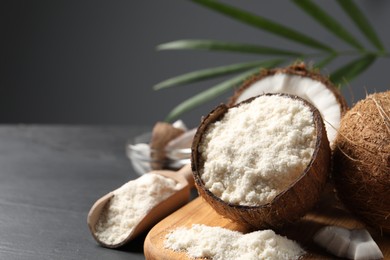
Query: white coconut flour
257,149
219,243
130,203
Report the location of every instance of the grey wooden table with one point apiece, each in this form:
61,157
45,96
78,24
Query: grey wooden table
49,178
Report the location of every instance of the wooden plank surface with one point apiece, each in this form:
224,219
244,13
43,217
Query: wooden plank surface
327,212
50,176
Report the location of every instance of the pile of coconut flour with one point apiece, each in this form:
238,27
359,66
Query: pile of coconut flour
263,145
130,204
219,243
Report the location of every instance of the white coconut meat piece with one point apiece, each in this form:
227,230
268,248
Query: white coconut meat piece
311,90
356,244
180,125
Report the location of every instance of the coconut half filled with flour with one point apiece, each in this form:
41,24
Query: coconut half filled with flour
297,80
262,162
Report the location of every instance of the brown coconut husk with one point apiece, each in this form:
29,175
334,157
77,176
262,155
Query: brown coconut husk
286,207
362,160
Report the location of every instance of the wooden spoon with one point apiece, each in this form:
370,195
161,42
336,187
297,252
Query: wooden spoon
158,212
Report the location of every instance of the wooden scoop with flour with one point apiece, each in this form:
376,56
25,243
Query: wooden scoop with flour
155,214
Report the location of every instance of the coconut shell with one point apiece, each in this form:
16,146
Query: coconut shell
162,134
362,160
298,69
289,205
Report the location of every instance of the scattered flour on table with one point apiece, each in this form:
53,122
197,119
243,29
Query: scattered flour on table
219,243
257,149
130,203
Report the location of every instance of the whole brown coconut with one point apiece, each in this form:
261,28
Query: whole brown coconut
362,160
291,203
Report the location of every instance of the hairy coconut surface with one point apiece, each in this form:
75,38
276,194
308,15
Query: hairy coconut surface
298,80
290,204
362,160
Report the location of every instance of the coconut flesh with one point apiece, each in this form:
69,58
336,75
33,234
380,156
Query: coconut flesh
293,199
362,160
297,80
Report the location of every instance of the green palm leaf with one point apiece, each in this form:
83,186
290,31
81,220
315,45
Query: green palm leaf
352,69
326,61
340,76
209,94
213,72
361,22
223,46
263,23
328,22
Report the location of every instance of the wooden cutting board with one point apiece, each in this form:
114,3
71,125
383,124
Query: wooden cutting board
327,212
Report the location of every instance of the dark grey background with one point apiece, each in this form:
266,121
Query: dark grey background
94,62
